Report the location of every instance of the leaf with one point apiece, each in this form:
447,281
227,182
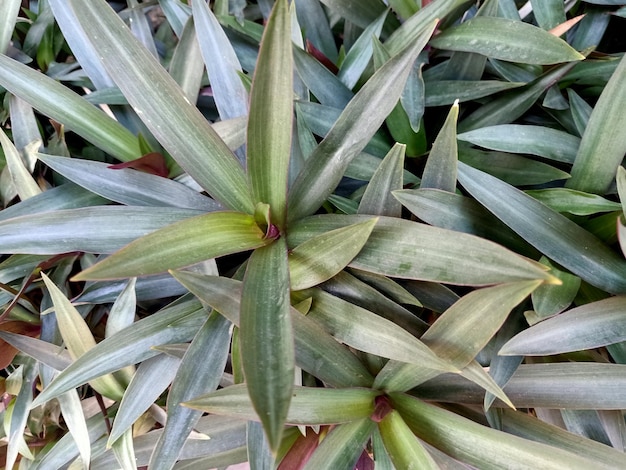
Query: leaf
572,201
446,92
321,257
602,147
440,169
551,233
551,299
181,244
47,353
134,344
440,255
548,13
323,169
69,230
78,338
126,186
8,13
360,53
557,385
535,140
160,103
589,326
267,338
365,331
343,445
312,18
74,417
152,377
63,105
478,445
309,405
505,39
377,198
229,93
271,110
20,176
316,351
194,376
402,445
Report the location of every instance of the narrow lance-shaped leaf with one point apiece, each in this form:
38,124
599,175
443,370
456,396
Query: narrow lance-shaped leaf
603,144
557,237
8,12
162,106
267,343
181,244
440,169
377,198
63,105
23,181
506,39
592,325
309,405
271,115
324,168
320,258
78,338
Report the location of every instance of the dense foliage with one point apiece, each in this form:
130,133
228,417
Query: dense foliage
316,234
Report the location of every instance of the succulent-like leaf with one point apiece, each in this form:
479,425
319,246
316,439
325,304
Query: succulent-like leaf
517,138
316,351
404,249
589,326
478,445
171,325
267,338
181,244
323,170
556,236
321,257
271,115
78,338
309,405
440,169
402,445
377,198
505,39
602,147
160,103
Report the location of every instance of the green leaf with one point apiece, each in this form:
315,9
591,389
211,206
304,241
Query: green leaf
603,145
78,338
368,332
174,324
377,198
410,250
478,445
24,183
267,338
195,376
440,169
551,233
229,93
535,140
8,12
74,418
271,111
342,447
505,39
127,186
550,299
312,18
572,201
558,385
548,13
309,405
63,105
512,104
589,326
369,10
162,106
186,65
321,257
181,244
454,336
316,351
324,168
402,445
446,92
124,451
